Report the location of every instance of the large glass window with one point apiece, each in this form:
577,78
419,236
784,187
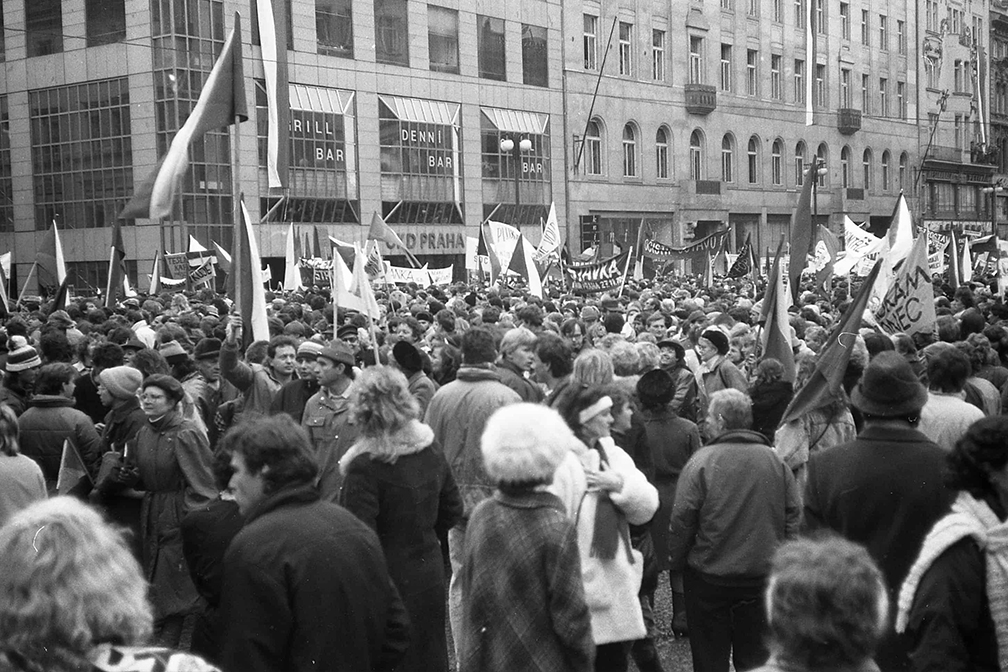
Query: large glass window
205,201
516,164
727,158
593,149
777,162
334,27
629,151
535,64
82,153
106,21
658,55
625,48
322,178
43,27
590,42
490,36
443,38
696,151
6,174
662,153
391,32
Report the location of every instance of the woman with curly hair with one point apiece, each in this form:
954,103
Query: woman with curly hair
827,607
953,606
73,598
21,479
396,479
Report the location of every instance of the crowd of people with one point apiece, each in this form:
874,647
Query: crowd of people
502,481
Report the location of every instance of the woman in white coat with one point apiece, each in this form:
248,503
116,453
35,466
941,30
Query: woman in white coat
603,492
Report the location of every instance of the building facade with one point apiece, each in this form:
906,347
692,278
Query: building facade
682,116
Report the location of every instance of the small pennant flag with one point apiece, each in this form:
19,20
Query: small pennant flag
71,470
381,231
523,264
50,257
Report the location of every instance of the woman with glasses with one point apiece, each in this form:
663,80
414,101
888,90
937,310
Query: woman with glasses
173,464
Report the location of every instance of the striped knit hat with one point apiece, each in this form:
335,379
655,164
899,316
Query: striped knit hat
21,356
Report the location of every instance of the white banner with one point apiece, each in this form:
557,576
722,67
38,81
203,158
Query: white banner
396,274
441,276
937,244
471,255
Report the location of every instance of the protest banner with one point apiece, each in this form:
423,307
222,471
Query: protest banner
908,305
661,252
600,276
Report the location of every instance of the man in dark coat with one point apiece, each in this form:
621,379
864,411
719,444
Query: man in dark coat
292,397
305,582
884,490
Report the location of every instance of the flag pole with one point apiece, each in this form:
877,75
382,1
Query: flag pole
626,270
24,289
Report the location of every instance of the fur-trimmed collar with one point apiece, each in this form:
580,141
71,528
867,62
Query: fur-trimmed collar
411,438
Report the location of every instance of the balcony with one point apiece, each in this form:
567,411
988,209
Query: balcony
701,99
708,187
855,194
944,153
848,120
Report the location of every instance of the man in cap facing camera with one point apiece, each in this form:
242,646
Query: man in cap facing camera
325,413
293,397
885,489
716,371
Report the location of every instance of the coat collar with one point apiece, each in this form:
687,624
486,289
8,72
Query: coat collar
294,495
892,434
740,436
409,439
51,401
535,499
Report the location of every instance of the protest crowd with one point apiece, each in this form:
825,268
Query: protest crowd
499,481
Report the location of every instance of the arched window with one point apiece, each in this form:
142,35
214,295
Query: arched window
696,155
903,171
727,158
866,162
799,163
629,151
752,154
593,148
777,162
661,153
822,159
885,170
845,161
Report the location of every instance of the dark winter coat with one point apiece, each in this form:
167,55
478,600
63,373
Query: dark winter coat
174,461
306,589
48,422
515,378
423,389
86,398
769,401
409,503
292,398
122,424
884,490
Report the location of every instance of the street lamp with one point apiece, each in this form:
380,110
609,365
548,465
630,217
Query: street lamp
993,190
509,146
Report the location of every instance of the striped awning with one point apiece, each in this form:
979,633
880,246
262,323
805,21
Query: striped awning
423,111
517,121
318,99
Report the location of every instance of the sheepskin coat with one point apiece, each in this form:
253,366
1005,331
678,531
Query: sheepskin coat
611,586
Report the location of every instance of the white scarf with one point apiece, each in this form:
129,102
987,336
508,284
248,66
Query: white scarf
969,518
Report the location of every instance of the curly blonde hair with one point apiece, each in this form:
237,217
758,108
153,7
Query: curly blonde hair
381,403
69,581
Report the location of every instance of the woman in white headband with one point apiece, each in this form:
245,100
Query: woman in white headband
604,492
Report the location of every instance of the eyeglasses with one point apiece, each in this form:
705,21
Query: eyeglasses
149,398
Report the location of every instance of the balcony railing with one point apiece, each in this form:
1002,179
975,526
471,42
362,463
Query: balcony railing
701,99
848,120
943,153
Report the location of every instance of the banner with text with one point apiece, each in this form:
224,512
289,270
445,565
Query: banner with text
398,274
661,252
937,245
600,276
441,276
908,306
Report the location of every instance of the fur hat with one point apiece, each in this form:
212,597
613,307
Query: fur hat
122,382
718,338
21,356
173,352
889,388
524,444
655,388
167,384
407,357
207,348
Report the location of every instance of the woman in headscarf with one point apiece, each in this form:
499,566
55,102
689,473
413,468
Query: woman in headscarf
396,479
604,492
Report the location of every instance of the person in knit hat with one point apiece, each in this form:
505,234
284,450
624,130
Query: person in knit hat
538,619
21,369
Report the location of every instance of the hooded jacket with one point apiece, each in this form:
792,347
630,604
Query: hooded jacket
49,420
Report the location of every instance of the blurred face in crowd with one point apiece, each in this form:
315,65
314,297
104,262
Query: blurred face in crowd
706,350
404,333
284,360
657,328
155,402
104,395
248,488
209,368
667,357
577,337
306,368
599,425
621,417
522,357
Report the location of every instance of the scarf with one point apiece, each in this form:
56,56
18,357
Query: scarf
611,525
969,518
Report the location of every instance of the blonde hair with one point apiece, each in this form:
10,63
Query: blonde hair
9,431
69,581
381,403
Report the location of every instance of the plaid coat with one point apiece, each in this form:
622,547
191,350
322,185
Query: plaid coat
523,599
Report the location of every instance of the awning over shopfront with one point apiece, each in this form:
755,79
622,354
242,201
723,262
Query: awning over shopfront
517,121
423,111
318,99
